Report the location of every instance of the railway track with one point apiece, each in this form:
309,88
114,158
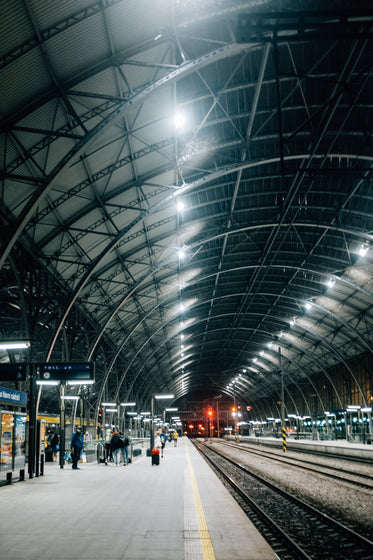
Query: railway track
294,529
336,473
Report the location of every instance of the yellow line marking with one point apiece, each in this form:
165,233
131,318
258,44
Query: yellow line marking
204,535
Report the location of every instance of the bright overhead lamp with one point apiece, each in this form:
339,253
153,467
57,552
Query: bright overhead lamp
308,305
81,382
127,404
133,414
331,282
109,404
180,205
171,409
14,345
111,410
179,120
39,382
70,397
363,250
145,413
164,396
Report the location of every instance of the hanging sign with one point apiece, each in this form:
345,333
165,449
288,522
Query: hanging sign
12,372
66,371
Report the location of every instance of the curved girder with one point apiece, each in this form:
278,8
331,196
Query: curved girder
310,356
279,178
47,184
202,279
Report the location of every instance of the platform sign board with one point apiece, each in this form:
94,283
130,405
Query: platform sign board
66,371
6,440
19,441
12,372
10,396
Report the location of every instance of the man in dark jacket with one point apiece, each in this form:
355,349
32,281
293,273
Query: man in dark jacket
76,447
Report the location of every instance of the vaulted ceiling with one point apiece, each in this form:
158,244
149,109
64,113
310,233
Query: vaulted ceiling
178,252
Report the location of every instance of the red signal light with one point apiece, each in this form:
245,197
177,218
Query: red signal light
209,412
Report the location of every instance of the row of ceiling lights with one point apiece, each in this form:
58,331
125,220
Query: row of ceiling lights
362,251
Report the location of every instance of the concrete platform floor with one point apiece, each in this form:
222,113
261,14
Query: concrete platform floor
178,510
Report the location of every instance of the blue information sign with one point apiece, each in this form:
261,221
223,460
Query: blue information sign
9,396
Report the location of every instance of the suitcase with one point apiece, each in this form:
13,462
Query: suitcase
155,457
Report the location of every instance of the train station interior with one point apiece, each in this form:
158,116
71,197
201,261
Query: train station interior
186,218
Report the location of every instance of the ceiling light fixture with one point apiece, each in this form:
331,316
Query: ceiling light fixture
179,120
14,344
363,249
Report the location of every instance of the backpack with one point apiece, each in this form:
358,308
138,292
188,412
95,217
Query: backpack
126,441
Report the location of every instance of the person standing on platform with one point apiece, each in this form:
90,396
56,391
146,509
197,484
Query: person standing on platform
126,447
157,440
175,436
163,442
88,436
76,447
49,447
116,445
55,446
108,451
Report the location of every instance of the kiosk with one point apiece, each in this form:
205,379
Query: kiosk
12,433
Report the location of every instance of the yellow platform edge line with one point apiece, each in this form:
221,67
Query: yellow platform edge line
204,535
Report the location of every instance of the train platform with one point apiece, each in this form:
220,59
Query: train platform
178,510
342,448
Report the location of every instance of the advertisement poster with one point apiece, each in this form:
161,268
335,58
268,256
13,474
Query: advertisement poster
6,441
42,436
20,441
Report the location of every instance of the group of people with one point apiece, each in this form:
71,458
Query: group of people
119,447
161,438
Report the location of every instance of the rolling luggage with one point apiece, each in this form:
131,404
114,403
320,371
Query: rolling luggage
155,457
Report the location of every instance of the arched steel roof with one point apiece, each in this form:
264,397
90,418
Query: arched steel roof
273,166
